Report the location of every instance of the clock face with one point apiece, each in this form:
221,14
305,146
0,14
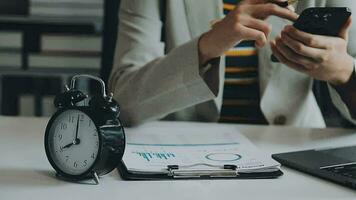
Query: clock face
73,142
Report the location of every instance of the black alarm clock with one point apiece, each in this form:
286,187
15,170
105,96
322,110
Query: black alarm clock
84,141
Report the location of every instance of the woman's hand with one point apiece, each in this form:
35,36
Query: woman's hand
321,57
245,22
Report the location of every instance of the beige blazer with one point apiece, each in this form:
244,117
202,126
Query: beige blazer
153,80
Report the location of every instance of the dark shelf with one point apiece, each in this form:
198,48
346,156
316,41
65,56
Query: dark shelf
42,24
32,27
43,72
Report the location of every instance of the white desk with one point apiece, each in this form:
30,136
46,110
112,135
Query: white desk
26,174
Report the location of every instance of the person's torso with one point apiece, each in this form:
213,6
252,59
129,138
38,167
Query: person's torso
188,19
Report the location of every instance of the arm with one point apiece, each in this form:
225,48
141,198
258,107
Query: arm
323,58
344,96
147,83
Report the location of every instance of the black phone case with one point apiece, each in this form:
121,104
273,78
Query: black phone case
326,21
323,21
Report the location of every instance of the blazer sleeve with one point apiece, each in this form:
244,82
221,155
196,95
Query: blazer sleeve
147,83
336,99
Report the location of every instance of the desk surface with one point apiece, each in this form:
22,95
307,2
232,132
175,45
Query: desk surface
26,174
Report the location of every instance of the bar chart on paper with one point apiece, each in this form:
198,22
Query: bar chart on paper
149,156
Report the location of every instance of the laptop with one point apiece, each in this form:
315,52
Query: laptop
335,164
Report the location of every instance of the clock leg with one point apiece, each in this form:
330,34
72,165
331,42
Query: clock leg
96,178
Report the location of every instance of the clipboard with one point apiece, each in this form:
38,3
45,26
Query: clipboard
193,152
176,173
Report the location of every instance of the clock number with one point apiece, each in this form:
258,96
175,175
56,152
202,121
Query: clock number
67,158
63,126
75,164
60,136
71,119
89,123
92,156
81,118
61,149
85,163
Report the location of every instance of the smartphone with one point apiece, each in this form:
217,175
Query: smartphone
321,21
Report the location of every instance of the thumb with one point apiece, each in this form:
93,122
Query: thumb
214,22
344,33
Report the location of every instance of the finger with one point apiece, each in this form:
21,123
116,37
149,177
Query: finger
263,11
292,56
284,60
344,33
300,48
257,24
290,7
262,1
316,41
256,35
214,22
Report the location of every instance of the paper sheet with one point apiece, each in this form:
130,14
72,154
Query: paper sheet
153,151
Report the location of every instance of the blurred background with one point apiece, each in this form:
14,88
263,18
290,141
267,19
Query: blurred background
43,43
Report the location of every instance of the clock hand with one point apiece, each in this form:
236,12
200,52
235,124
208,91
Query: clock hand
67,146
76,140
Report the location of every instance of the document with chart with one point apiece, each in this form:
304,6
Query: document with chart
221,151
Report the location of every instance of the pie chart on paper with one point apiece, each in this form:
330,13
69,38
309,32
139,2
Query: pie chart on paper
223,157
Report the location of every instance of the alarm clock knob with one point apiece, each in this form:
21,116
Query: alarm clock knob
106,104
69,98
